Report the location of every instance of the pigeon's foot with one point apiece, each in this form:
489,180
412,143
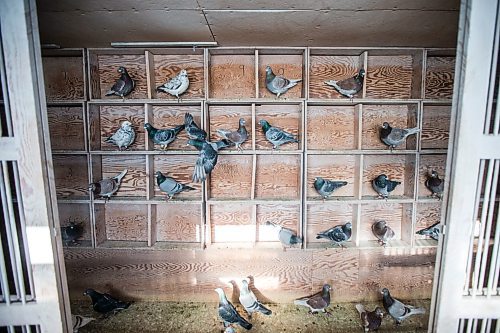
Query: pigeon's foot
327,313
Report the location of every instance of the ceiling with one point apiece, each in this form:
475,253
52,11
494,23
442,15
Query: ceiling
97,23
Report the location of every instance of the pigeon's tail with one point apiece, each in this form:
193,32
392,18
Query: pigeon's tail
322,235
243,323
411,131
262,309
178,128
416,310
188,119
187,188
332,83
293,83
223,133
424,232
199,173
109,140
295,240
360,308
80,321
120,176
110,92
272,224
160,88
302,302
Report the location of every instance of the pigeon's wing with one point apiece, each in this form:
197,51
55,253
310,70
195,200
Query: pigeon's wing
317,302
280,82
364,319
209,156
285,236
398,309
228,313
331,186
194,132
349,84
119,85
170,186
108,186
391,185
173,83
164,136
397,134
276,134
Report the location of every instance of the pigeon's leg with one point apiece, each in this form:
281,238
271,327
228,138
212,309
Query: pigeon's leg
168,197
327,312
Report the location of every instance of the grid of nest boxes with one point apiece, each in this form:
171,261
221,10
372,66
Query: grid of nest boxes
336,137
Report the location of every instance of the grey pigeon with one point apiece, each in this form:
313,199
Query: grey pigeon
326,187
393,137
277,84
163,137
124,136
383,186
207,158
105,188
250,302
79,321
170,186
349,87
370,320
435,185
286,236
276,135
123,86
177,85
105,303
397,309
317,302
337,234
228,313
383,232
237,137
433,231
71,233
192,129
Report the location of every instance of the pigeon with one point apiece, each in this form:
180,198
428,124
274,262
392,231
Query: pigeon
105,303
228,313
193,131
105,188
236,137
317,302
383,232
370,320
71,233
398,310
170,186
277,84
163,137
177,85
393,137
123,86
207,159
337,234
326,187
383,186
349,87
435,185
286,236
275,135
433,231
79,321
249,301
124,136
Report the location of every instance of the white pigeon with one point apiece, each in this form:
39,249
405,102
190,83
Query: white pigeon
124,136
249,301
79,321
177,85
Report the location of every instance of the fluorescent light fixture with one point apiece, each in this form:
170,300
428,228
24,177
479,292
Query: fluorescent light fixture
163,44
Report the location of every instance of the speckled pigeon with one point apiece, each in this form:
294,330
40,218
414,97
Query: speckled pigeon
326,187
71,233
383,186
317,302
397,309
349,87
435,185
123,86
250,302
337,234
433,231
79,321
370,320
107,187
278,84
170,186
286,236
237,137
105,303
177,85
382,231
276,135
124,136
163,137
228,313
393,137
192,129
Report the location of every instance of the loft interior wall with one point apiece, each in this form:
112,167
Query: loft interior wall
240,23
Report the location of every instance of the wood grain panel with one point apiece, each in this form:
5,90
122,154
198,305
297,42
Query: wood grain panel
277,177
394,214
333,167
287,216
331,127
427,215
168,66
169,116
179,167
285,117
63,77
134,182
396,167
227,117
427,164
323,217
71,176
435,126
439,77
76,213
389,77
290,66
178,223
323,68
111,118
232,76
108,74
232,177
232,223
66,127
398,116
126,222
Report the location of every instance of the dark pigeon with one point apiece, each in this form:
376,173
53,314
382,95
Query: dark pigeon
349,87
105,303
163,137
105,188
71,233
370,320
228,313
192,129
286,236
393,137
207,158
326,187
276,135
237,137
433,231
338,234
317,302
397,309
435,185
123,86
278,84
170,186
383,232
383,186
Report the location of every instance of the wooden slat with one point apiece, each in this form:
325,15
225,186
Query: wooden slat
67,128
439,77
71,176
331,127
232,177
389,76
232,76
278,177
63,77
179,223
435,126
9,149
